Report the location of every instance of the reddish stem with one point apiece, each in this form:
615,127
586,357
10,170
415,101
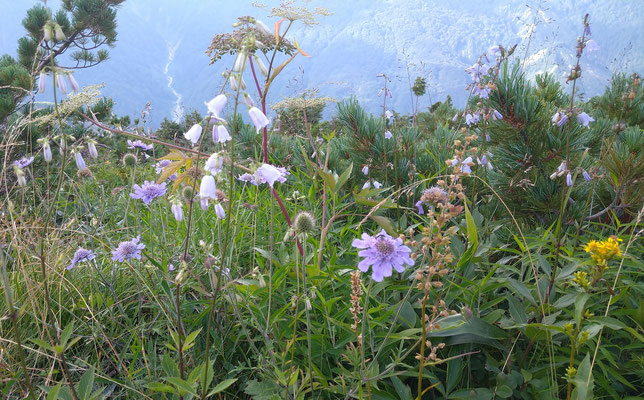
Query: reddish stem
277,197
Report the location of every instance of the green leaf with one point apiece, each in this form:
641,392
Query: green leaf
385,223
583,381
190,340
344,177
161,387
328,178
53,393
403,391
223,385
504,391
517,311
580,306
43,344
86,384
522,290
183,386
67,332
169,366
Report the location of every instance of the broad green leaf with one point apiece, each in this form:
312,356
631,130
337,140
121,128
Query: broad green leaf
580,306
583,381
221,386
86,384
53,392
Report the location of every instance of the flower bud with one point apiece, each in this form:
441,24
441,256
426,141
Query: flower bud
48,31
263,28
58,33
91,146
261,66
42,82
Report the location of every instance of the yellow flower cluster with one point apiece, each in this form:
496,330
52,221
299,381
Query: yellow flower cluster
603,251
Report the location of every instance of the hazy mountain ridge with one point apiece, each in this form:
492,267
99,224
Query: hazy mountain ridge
362,38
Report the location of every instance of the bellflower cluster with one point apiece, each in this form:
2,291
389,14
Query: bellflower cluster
149,191
220,134
371,182
382,253
266,173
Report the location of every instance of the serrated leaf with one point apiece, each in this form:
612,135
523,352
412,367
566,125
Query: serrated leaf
53,392
183,386
161,387
86,384
169,365
190,339
42,344
67,332
169,170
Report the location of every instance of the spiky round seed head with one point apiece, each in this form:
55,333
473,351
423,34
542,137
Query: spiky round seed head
188,193
303,223
129,160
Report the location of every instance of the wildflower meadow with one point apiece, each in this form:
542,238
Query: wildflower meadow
256,250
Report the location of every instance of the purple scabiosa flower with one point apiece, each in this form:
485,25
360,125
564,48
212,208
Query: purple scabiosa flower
382,253
24,162
250,178
80,256
137,144
60,82
591,46
568,179
72,82
42,82
259,119
128,250
219,211
214,164
388,135
80,162
220,134
208,188
419,206
586,176
216,105
476,71
158,167
584,119
365,170
149,191
177,210
193,134
270,174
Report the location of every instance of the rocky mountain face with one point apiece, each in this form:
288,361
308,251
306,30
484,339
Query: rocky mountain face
160,54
